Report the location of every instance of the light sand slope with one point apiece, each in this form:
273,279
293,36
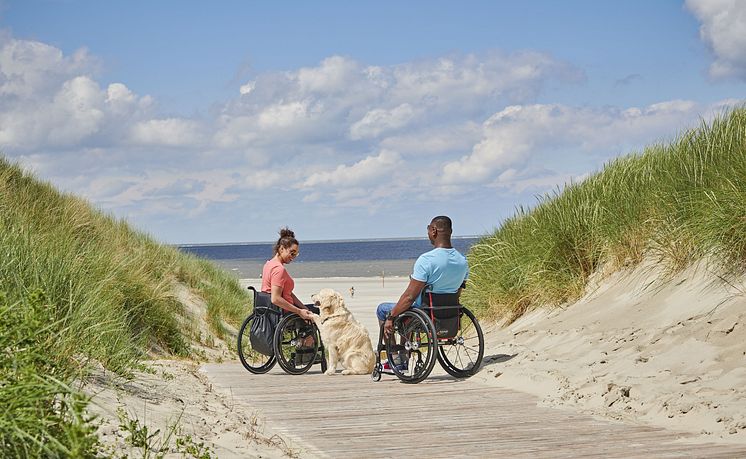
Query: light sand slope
670,354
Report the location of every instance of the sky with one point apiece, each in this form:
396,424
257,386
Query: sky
210,122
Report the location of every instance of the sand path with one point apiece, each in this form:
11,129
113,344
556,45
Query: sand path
346,416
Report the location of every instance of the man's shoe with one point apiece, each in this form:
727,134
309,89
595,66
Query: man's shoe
400,367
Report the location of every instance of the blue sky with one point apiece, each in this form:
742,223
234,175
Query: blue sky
222,122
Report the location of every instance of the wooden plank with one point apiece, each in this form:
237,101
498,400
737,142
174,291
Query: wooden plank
344,416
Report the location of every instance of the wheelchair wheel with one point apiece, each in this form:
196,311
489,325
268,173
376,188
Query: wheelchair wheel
251,359
296,344
461,355
414,342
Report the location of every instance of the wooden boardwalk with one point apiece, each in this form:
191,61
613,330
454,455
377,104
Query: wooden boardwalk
351,416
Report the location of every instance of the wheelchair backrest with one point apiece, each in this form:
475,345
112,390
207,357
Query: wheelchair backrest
445,311
263,302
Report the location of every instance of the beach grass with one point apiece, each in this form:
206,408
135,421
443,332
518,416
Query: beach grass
80,287
675,202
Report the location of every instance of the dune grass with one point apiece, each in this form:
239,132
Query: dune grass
677,202
80,285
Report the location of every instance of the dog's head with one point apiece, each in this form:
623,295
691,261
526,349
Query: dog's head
328,301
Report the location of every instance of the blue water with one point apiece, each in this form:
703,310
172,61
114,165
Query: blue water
328,251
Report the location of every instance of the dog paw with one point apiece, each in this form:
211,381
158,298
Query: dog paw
330,372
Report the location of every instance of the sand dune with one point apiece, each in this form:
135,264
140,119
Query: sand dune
637,349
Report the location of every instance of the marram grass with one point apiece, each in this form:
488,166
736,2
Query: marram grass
676,202
84,286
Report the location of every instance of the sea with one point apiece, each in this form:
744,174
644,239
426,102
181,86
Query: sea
347,258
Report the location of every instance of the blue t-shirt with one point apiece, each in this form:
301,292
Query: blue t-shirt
444,270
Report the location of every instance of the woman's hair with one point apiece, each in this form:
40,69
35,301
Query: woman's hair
287,239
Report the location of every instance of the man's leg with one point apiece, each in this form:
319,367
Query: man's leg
381,312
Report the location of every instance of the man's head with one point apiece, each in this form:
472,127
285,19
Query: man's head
439,230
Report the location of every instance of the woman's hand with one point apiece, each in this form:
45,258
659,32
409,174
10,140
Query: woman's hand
305,314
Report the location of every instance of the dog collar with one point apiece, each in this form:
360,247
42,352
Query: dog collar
331,317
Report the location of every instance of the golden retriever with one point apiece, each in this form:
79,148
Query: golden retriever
346,340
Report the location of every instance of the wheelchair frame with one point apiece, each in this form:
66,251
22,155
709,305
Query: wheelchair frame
415,334
288,349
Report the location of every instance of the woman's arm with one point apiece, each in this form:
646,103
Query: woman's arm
277,299
298,302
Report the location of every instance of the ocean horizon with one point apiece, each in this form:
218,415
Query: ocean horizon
317,241
342,258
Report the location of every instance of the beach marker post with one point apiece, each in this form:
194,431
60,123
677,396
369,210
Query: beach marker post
383,278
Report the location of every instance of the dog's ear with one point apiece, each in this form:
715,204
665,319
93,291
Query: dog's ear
339,302
334,299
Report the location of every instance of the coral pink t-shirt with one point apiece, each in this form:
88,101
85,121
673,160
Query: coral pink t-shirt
274,273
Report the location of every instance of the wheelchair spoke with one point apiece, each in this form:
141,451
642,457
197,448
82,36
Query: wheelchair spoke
411,348
296,344
251,359
461,355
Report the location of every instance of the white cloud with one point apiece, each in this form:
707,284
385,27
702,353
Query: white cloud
723,29
283,115
522,133
433,141
360,173
334,74
172,132
76,111
49,100
381,120
247,88
342,96
29,67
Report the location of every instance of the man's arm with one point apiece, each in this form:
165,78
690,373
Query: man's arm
405,302
409,296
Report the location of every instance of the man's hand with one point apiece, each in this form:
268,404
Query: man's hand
388,327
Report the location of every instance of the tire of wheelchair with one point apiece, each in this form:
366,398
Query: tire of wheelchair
454,364
417,321
286,344
246,353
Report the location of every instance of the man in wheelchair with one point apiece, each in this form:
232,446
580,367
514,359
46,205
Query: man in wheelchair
443,269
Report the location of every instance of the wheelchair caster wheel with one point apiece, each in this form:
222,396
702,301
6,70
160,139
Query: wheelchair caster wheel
376,375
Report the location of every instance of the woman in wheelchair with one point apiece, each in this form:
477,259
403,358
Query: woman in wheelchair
280,328
277,281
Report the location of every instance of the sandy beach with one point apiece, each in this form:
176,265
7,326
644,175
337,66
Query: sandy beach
635,349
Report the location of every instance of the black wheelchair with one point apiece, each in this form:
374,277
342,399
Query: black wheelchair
296,343
442,329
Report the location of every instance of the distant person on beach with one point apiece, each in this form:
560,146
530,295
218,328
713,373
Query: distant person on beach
443,270
277,281
352,292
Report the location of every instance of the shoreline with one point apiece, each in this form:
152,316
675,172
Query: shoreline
251,269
